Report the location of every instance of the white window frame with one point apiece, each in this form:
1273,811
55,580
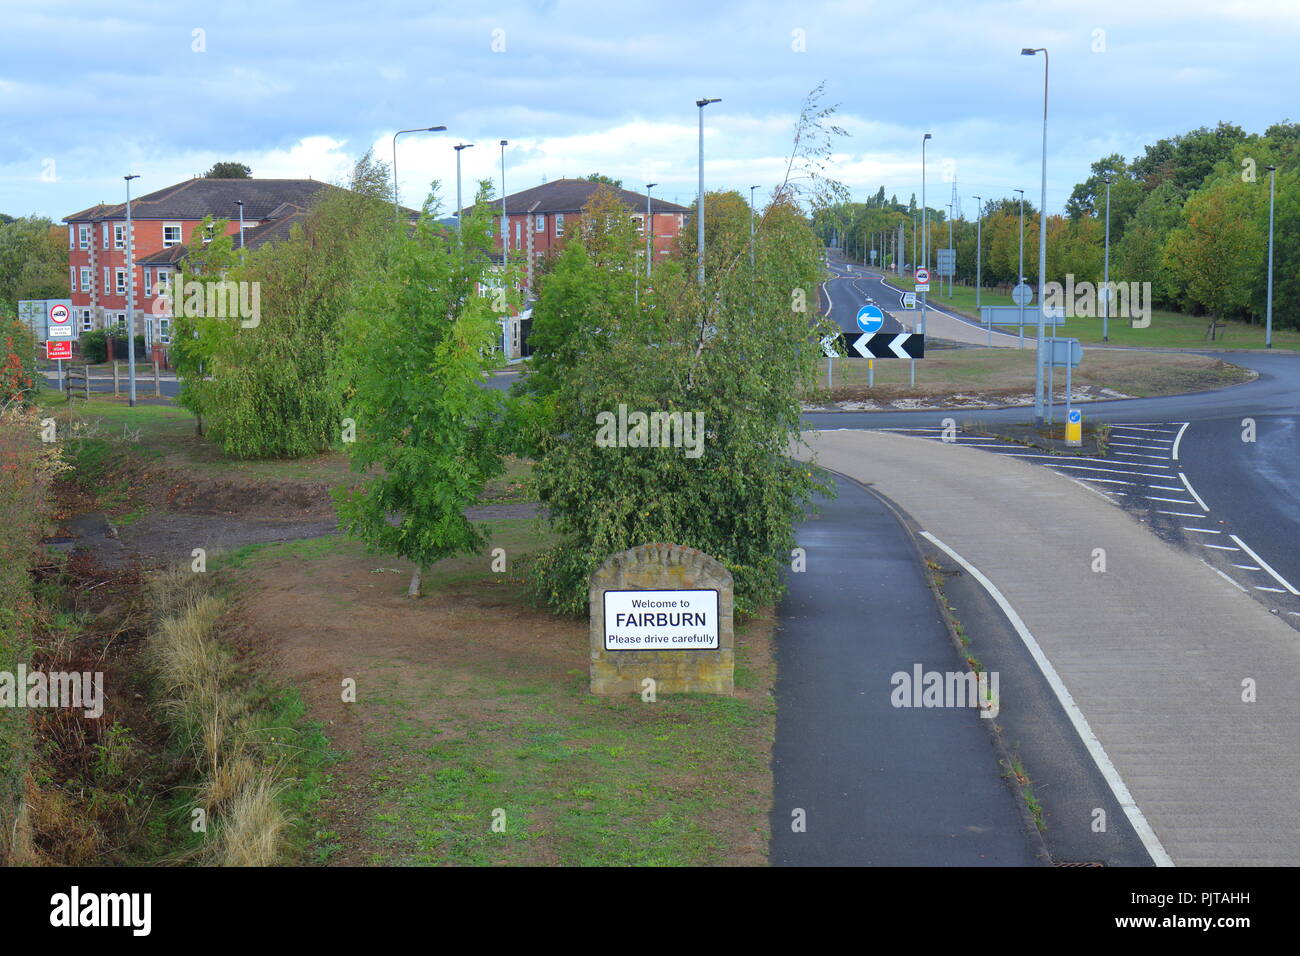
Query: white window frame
87,320
119,235
107,284
539,223
164,330
85,278
119,282
519,232
559,224
148,331
104,233
72,278
83,237
71,239
175,242
148,281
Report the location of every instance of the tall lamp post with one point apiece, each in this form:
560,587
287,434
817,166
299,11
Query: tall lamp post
1042,245
952,251
649,228
130,294
1268,309
751,226
979,275
240,204
1105,275
422,129
505,219
458,148
699,212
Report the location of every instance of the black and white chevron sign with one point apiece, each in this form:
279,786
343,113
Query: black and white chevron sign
881,345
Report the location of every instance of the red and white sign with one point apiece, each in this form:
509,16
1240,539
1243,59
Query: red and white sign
59,314
922,276
58,350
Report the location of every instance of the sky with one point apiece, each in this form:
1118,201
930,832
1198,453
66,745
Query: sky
92,91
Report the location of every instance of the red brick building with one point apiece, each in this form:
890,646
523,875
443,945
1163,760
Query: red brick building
544,215
162,225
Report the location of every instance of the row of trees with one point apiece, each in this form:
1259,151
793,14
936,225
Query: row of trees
1190,216
376,337
33,261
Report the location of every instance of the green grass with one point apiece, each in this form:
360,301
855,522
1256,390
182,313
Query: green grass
494,759
1167,329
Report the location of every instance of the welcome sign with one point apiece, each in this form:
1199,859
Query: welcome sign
679,620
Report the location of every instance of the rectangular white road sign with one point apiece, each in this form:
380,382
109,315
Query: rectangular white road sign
685,620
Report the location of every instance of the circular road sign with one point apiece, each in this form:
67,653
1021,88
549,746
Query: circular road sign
1075,416
1022,294
59,314
923,276
870,318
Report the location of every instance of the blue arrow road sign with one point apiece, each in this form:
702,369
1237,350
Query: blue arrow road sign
1074,416
870,318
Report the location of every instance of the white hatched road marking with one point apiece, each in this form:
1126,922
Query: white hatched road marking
1264,564
1178,439
1224,576
1192,491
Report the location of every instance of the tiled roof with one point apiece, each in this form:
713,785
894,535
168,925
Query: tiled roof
570,195
196,198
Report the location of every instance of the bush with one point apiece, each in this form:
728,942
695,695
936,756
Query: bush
94,346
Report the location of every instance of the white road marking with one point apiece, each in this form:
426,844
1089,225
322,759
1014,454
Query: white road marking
1246,567
1220,547
1131,454
1181,514
1132,444
1224,576
1259,587
1081,726
1163,441
1172,501
1098,493
1140,427
1178,439
1114,471
1109,481
1264,564
1104,461
1202,530
1192,491
1166,488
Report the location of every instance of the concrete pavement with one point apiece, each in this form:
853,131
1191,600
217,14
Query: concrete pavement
1157,651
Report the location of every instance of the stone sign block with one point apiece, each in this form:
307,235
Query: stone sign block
664,612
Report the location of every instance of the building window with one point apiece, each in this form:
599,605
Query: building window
104,287
85,278
119,235
640,224
70,235
119,281
172,234
104,233
148,285
86,321
539,224
559,224
72,278
148,331
162,281
83,237
519,231
165,331
207,233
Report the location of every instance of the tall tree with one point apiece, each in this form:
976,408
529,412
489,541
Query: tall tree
414,352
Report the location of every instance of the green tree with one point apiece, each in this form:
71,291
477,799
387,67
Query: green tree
414,352
228,170
33,261
275,391
602,178
738,352
1220,247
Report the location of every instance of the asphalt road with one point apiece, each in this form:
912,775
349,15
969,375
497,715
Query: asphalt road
872,783
850,290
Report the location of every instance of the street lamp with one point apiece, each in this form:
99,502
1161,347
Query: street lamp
951,251
751,226
423,129
1042,244
1105,277
979,224
505,219
240,204
1268,309
699,212
130,295
458,205
649,228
